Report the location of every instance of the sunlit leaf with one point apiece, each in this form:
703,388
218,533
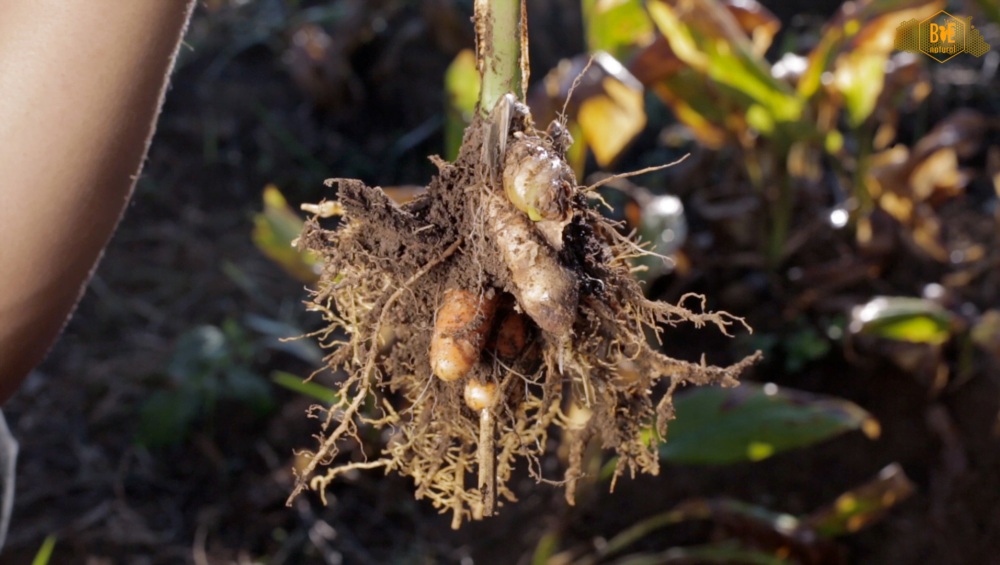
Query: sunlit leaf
295,383
756,20
616,26
854,48
274,231
461,87
688,92
901,318
718,426
607,108
863,505
45,552
937,173
707,37
610,119
692,103
963,131
706,69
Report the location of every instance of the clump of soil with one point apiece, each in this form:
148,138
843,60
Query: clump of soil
507,223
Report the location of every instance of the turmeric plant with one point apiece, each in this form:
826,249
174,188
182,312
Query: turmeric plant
511,303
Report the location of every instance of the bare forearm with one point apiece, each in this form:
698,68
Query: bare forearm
81,82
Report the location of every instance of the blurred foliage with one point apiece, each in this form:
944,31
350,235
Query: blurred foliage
898,318
44,554
275,229
717,426
616,26
209,364
708,39
461,88
803,347
801,343
752,422
863,505
294,383
794,123
747,533
986,333
613,113
836,109
991,9
285,337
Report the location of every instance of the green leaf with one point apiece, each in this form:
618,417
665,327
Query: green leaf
717,426
704,66
45,552
461,88
545,549
274,231
295,383
616,26
863,505
854,48
902,319
166,417
709,39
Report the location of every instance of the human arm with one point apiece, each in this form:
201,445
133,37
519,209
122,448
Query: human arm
81,84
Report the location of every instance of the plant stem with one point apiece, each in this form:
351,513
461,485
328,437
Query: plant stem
781,218
501,56
498,50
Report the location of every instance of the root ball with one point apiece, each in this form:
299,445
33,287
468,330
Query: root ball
386,265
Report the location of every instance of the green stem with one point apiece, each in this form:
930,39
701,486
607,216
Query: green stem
498,46
781,219
866,138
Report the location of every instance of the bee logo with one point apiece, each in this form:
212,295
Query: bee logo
941,37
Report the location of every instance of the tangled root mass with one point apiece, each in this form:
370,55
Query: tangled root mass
562,273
